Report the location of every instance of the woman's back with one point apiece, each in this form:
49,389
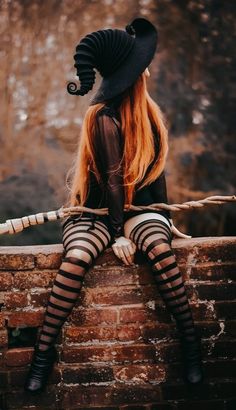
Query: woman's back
108,148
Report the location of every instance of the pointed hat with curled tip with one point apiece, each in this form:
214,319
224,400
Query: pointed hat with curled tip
120,56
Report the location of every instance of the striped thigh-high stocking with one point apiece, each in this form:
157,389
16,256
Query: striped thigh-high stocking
81,246
153,237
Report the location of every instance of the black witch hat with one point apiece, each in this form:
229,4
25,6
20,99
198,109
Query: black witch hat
120,56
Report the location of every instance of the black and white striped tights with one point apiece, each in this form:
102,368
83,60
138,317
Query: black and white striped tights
83,245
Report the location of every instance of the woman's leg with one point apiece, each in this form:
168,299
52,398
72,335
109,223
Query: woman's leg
153,238
82,246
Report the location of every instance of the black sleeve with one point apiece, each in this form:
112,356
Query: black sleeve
109,152
159,191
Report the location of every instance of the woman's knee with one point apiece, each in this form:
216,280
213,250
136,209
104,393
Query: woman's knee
160,254
154,241
79,257
75,261
157,244
157,249
151,232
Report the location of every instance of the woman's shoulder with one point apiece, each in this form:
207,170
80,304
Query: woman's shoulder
110,112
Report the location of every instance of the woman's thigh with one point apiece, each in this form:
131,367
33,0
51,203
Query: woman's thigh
151,236
131,223
81,240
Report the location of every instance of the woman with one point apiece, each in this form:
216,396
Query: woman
120,161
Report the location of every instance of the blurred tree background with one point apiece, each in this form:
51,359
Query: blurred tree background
192,79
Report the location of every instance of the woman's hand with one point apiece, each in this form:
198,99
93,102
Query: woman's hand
124,249
177,233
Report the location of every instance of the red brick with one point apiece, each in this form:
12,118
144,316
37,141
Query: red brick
16,261
217,291
162,314
146,276
133,375
169,352
19,399
136,314
29,279
48,261
150,292
203,310
115,276
135,394
151,331
2,320
142,373
14,300
213,271
39,299
25,318
223,251
5,280
110,296
118,353
108,395
18,356
3,338
215,249
90,316
128,332
17,376
84,395
87,374
89,333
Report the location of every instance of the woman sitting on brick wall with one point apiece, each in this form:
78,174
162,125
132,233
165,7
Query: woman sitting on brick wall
120,161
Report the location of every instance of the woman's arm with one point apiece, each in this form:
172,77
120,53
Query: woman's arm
159,191
109,152
159,194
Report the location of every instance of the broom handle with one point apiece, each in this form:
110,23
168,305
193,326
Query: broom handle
16,225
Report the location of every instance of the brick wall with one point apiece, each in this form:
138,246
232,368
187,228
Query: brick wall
119,348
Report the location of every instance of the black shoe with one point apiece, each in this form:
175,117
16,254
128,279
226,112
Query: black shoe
192,361
40,368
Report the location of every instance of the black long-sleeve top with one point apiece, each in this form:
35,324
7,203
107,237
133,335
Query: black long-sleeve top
108,150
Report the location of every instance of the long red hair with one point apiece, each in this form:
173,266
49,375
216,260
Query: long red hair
138,114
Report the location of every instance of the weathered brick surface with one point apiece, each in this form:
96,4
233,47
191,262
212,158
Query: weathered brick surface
119,348
109,395
3,338
14,300
93,316
24,318
31,279
6,280
16,262
109,353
